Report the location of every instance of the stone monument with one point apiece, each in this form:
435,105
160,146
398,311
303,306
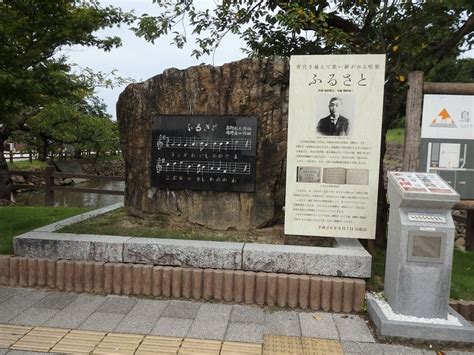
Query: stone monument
418,264
256,88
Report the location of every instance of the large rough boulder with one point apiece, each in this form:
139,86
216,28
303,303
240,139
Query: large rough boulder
250,87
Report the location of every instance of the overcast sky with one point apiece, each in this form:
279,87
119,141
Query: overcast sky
140,59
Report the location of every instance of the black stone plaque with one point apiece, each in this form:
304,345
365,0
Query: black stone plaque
214,153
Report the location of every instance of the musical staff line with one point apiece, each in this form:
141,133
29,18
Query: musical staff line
218,144
202,167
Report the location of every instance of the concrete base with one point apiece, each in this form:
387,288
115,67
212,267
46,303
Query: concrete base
423,331
346,259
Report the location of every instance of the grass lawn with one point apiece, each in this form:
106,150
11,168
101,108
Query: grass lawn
396,135
17,220
118,222
462,281
26,165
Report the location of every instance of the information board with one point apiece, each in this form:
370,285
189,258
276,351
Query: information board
216,153
447,140
334,130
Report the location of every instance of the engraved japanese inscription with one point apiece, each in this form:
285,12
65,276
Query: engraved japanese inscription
216,153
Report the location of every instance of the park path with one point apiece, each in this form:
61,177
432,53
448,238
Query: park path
40,321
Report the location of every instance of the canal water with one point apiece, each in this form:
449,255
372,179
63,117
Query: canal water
75,199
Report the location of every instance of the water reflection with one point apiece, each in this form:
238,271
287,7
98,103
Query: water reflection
75,199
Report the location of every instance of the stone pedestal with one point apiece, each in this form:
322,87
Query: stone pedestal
419,260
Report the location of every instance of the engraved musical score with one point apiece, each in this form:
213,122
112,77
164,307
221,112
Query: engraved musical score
215,153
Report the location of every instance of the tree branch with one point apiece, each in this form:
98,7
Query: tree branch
444,47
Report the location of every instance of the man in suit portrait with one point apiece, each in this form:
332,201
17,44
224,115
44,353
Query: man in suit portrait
334,124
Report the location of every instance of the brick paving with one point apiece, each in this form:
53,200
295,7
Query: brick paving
39,321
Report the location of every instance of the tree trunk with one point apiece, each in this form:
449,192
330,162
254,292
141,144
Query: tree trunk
5,181
43,151
392,102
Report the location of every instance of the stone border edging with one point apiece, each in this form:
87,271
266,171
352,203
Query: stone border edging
303,291
347,259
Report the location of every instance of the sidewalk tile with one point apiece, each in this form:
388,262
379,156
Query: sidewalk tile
237,348
352,327
34,316
100,321
77,312
247,314
172,327
40,339
117,304
245,332
10,334
3,351
56,300
181,309
6,293
20,352
318,325
210,322
351,347
20,301
198,346
282,323
280,344
321,346
389,349
78,341
158,344
142,318
119,343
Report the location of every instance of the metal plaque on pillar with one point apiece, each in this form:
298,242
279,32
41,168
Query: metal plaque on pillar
215,153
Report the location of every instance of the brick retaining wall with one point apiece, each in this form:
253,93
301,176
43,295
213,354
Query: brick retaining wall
261,288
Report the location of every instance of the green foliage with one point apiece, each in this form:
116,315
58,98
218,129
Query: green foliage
79,125
462,282
36,80
32,31
453,71
414,35
396,135
26,165
17,220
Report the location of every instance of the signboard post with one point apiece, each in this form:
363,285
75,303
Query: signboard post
447,140
334,129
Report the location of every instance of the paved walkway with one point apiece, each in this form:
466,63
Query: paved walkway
45,321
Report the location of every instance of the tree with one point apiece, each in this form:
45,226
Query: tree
415,35
82,125
452,70
32,74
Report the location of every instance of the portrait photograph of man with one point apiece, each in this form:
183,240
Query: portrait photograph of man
337,122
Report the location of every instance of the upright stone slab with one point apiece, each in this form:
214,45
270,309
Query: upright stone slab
251,88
